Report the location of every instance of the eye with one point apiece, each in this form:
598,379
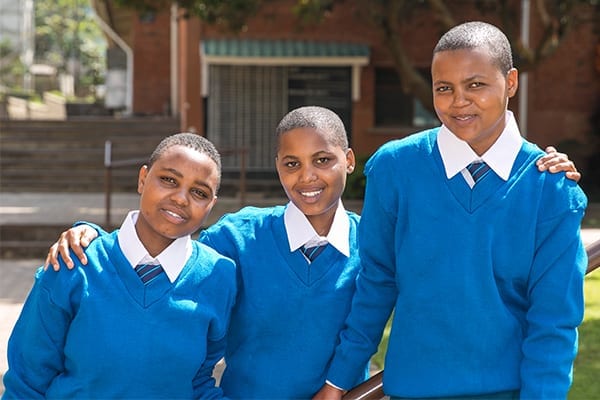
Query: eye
442,89
475,85
169,180
323,160
199,193
291,164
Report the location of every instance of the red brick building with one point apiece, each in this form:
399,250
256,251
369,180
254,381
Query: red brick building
235,88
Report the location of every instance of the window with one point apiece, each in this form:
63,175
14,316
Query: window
393,107
247,102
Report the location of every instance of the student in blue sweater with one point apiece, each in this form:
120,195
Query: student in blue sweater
289,310
486,277
147,317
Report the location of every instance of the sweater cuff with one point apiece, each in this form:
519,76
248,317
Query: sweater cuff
332,385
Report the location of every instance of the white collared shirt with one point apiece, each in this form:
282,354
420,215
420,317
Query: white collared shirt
172,259
457,154
300,232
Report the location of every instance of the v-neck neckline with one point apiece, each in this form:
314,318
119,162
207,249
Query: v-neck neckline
305,272
145,295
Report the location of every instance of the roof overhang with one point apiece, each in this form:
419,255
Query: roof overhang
283,53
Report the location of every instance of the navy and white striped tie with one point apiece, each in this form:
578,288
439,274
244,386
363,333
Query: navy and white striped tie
148,272
478,169
312,252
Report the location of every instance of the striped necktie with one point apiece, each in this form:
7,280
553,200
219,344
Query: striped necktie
478,169
148,272
312,252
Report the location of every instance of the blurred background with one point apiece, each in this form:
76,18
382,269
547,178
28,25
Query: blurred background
89,87
230,70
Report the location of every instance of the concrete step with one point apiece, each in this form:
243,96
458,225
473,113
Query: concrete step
27,241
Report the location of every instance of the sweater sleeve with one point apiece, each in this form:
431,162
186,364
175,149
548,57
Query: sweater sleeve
204,384
555,299
36,345
375,287
221,236
222,290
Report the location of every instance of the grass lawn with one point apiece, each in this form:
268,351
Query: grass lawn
586,382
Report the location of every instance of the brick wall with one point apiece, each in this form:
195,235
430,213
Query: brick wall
151,76
563,92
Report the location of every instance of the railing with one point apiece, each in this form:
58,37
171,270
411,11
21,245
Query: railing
109,164
372,389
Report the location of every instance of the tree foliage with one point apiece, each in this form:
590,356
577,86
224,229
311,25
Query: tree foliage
557,17
68,38
11,67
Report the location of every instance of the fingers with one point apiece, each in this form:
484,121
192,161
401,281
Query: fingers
554,162
554,158
576,176
51,257
75,239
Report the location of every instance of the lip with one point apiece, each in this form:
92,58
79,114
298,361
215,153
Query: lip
310,195
174,216
464,119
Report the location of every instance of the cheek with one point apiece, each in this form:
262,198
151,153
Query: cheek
286,182
339,167
440,105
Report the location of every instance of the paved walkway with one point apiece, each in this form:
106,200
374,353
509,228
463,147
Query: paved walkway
63,209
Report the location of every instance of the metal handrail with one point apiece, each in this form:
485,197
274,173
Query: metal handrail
372,389
593,253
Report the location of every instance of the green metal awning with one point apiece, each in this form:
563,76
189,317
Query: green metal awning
246,52
240,48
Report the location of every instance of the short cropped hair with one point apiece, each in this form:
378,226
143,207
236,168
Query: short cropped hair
194,142
321,119
479,35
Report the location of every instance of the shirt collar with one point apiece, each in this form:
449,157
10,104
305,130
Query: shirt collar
300,231
457,154
172,259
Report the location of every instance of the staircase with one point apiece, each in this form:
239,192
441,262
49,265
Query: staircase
68,156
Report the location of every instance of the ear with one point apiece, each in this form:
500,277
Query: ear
350,161
212,203
277,166
142,178
512,82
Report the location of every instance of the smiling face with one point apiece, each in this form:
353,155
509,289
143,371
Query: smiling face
470,95
313,174
177,193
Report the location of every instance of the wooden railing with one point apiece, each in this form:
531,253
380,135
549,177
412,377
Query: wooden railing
372,389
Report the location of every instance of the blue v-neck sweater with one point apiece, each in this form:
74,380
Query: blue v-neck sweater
98,332
486,283
288,313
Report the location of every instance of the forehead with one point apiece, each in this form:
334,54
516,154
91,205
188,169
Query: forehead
179,156
307,139
463,62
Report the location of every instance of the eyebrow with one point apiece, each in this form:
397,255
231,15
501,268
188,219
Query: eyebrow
180,175
468,79
317,153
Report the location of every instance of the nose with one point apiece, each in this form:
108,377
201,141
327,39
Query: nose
460,98
307,174
180,197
